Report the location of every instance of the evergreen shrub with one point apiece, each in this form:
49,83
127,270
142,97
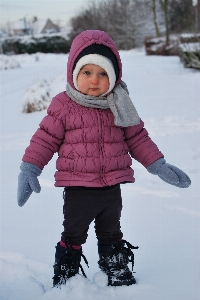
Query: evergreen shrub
34,44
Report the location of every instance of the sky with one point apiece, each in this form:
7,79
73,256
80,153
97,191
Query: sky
13,10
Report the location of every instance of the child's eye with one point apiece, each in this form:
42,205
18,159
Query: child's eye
86,72
103,74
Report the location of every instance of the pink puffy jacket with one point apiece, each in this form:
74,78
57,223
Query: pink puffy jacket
92,151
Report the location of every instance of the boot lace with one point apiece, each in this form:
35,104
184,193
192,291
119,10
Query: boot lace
72,263
124,250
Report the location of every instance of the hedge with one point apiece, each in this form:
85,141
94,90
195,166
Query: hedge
33,44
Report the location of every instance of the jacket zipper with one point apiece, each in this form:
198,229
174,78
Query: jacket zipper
102,156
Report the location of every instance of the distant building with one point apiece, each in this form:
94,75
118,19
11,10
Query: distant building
21,27
37,26
44,26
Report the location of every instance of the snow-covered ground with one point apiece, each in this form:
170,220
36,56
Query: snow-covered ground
161,219
8,62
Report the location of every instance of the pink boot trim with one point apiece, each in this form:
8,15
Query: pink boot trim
75,247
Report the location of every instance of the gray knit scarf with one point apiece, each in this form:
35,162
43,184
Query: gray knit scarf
118,101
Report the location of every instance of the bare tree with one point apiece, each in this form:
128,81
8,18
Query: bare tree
182,16
155,18
126,21
165,6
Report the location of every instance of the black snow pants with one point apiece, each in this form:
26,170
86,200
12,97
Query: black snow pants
82,205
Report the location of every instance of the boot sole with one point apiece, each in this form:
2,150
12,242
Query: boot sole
120,283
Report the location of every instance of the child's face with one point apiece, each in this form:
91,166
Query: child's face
92,80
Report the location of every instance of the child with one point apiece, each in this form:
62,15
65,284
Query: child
96,130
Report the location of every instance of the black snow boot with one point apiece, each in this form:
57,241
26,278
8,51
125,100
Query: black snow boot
67,263
114,259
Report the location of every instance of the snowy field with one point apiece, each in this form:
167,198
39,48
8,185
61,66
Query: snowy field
161,219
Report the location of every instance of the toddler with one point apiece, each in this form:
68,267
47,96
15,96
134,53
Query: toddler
96,130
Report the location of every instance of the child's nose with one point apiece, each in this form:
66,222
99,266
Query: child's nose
94,79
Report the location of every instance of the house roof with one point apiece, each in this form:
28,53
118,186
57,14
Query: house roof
20,25
36,26
39,25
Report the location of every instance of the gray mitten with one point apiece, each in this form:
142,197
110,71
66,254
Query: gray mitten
169,173
27,182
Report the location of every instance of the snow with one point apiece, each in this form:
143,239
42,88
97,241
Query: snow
161,219
8,62
190,47
21,24
39,25
189,35
37,97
